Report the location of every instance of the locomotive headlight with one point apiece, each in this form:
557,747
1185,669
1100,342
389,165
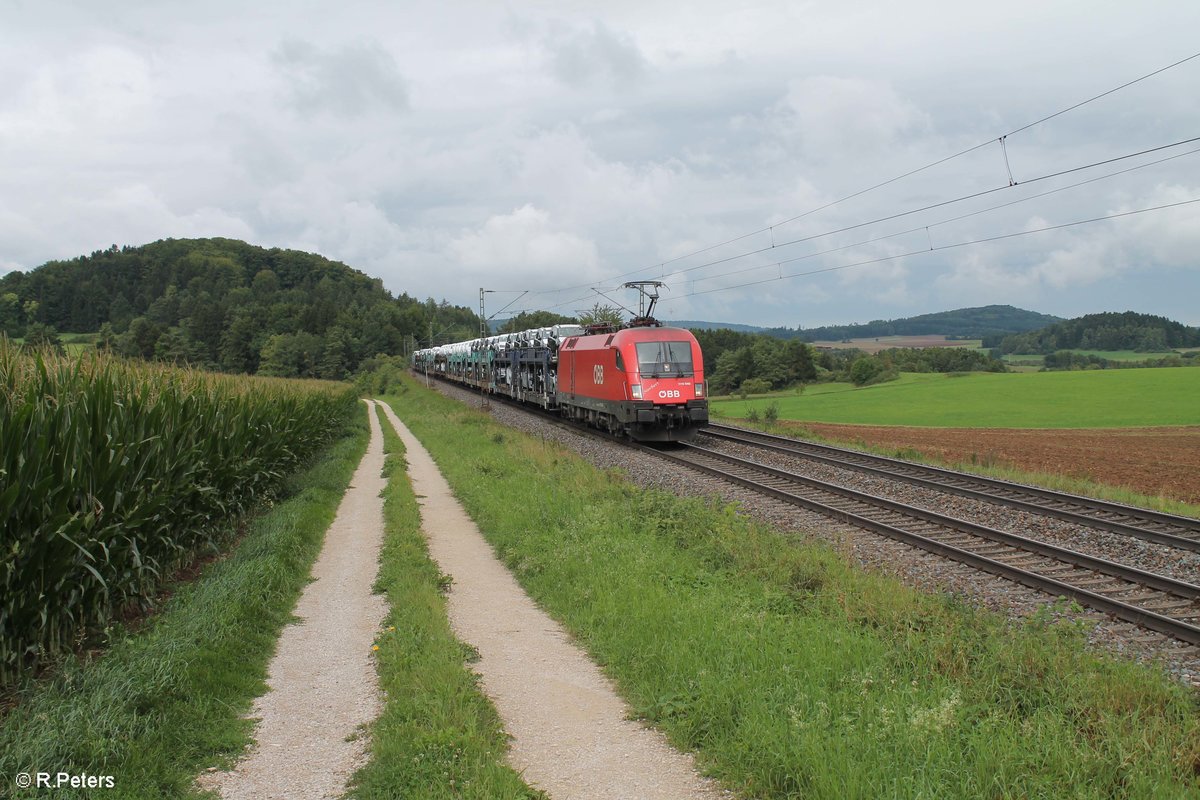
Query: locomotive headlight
699,388
636,390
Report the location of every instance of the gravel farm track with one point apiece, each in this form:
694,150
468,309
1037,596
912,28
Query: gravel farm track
1151,461
912,566
571,735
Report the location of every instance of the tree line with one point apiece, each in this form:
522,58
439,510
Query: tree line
1142,333
962,323
753,363
1070,360
226,305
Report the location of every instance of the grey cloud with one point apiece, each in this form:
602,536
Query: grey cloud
585,56
615,136
349,80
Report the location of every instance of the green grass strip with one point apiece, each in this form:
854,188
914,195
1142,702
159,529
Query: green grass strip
166,702
438,736
789,672
1114,398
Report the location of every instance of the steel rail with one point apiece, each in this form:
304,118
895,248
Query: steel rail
1120,609
1073,508
1129,612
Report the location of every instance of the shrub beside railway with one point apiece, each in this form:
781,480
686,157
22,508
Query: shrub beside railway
114,474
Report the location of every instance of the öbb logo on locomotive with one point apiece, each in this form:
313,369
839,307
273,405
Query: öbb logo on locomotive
647,381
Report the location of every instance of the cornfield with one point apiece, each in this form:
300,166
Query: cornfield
114,474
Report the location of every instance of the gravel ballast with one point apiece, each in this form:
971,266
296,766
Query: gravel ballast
1173,562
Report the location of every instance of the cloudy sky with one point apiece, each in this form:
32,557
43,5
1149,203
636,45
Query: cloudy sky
561,147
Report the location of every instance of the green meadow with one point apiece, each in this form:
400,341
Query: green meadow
1125,355
1110,355
75,344
1085,399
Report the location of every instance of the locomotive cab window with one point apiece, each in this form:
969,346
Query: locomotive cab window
665,359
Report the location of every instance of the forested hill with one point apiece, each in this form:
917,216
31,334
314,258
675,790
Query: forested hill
964,323
699,325
1110,331
224,304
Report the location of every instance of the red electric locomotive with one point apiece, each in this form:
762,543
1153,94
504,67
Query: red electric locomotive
646,382
643,381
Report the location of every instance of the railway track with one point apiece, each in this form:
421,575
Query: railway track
1144,598
1153,526
1153,601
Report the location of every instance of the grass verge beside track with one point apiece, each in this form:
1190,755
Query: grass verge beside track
438,735
164,703
792,674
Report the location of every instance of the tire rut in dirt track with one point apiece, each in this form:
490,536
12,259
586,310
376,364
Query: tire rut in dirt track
571,734
322,684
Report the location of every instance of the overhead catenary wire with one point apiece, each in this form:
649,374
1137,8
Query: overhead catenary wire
946,221
910,212
924,251
942,204
1103,94
941,161
523,292
661,264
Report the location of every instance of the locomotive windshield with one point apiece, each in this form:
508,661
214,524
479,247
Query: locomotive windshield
665,359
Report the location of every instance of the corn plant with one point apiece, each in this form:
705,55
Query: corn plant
114,474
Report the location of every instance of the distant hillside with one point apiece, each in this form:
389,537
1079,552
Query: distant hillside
224,304
1142,333
963,323
697,325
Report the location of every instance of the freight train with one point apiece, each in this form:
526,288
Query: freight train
643,381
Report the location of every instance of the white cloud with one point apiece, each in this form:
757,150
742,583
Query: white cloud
1171,237
1047,264
434,145
830,116
136,211
352,79
524,247
584,55
982,273
561,167
1075,265
98,91
363,233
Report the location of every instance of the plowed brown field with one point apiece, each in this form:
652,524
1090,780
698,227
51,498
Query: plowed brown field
874,345
1153,461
